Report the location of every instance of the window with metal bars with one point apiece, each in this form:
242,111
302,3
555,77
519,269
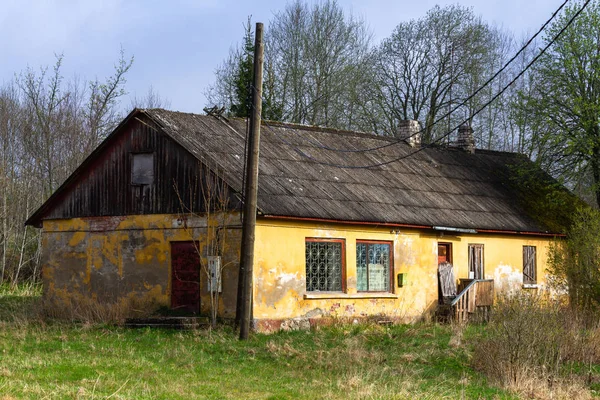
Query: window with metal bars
325,265
529,265
373,266
476,261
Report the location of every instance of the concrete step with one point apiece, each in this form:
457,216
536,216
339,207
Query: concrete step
168,322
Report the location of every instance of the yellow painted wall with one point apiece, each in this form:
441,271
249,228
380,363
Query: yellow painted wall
280,278
503,258
118,260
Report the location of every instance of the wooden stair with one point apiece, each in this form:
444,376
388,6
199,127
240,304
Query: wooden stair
473,302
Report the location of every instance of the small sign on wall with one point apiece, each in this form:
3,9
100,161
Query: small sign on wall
214,272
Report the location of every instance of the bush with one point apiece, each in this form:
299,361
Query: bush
532,345
574,264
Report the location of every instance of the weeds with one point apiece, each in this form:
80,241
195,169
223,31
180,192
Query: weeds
531,345
342,361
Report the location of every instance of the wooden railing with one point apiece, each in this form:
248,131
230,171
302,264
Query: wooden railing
475,295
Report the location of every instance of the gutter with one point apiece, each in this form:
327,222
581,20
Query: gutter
413,226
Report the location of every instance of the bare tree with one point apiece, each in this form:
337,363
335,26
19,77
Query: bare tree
318,54
315,56
214,243
101,113
151,99
47,127
429,66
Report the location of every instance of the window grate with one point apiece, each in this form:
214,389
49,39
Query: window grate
373,267
324,266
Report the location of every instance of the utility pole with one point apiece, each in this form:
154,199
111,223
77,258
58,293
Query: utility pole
249,223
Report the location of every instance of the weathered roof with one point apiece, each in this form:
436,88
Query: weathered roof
446,187
435,187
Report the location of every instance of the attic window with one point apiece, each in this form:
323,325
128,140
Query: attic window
142,169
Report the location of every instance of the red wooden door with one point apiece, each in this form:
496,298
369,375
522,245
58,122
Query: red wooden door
185,277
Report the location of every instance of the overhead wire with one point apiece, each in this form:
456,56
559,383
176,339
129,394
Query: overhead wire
383,163
456,107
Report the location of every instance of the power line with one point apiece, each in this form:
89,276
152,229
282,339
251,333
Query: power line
464,102
380,164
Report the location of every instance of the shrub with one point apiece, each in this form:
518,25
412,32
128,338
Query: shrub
574,264
530,344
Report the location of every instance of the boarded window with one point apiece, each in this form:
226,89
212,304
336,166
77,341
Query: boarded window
529,265
142,169
447,281
325,265
475,261
373,266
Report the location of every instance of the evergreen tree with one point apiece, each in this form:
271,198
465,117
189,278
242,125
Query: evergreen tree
244,75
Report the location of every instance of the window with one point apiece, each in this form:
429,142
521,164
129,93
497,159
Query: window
325,265
529,265
475,261
444,252
142,169
373,266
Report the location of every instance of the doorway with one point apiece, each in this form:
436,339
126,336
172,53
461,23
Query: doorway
185,278
446,280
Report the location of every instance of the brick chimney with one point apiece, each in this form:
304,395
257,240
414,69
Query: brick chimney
465,138
410,131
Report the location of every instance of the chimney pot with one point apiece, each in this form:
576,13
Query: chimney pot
410,131
465,138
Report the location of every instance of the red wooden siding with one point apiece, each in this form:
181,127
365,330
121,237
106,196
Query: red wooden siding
104,187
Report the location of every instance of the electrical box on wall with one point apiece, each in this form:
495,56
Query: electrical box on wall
214,283
401,279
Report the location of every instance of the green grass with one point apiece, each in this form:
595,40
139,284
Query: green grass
56,360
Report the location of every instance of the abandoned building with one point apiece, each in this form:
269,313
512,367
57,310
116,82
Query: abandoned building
131,223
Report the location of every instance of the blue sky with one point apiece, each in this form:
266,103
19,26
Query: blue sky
178,44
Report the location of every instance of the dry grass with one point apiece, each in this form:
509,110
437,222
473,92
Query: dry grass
85,310
539,349
49,359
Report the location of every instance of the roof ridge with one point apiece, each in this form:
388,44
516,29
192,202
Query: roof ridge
342,132
292,125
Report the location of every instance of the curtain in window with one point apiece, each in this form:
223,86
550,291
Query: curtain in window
373,267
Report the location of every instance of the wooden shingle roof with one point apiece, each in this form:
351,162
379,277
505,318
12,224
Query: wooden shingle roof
442,187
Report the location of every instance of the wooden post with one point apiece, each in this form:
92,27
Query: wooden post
249,223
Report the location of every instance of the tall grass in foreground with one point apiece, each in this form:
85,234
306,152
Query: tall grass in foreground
50,359
539,348
28,289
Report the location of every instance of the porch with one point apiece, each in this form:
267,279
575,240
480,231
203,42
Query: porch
473,302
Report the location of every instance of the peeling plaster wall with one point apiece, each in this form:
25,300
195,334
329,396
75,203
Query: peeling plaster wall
111,259
115,259
502,258
280,278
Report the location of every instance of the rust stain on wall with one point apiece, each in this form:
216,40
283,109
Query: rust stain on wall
118,260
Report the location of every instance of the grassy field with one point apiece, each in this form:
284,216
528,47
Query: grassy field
57,360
